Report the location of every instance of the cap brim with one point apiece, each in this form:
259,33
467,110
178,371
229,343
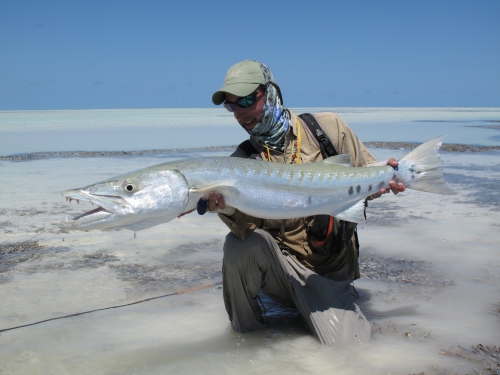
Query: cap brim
239,89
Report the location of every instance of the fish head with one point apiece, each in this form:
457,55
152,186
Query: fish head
134,201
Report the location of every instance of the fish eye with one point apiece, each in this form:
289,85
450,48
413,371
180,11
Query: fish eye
128,187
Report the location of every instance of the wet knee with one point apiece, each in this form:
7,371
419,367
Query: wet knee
237,250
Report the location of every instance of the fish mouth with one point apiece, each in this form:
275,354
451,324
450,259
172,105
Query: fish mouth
108,206
91,212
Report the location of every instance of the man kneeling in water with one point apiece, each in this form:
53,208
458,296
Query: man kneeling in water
309,262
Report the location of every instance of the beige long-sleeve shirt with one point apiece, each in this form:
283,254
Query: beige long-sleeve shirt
337,258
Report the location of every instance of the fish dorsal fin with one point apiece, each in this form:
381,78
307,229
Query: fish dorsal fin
355,213
342,159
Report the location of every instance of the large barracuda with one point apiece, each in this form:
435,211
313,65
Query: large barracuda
158,194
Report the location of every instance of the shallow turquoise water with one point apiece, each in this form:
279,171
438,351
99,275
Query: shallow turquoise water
141,129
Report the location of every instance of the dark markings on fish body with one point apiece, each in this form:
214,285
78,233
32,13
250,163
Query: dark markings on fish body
370,187
351,190
394,177
309,200
412,176
381,185
412,169
358,189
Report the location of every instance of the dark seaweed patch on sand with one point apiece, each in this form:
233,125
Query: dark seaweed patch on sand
399,270
93,260
411,332
486,357
376,267
57,209
32,257
387,213
73,261
181,265
483,192
192,247
173,274
14,254
19,248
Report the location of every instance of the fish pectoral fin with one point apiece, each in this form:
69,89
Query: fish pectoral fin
212,188
355,213
342,159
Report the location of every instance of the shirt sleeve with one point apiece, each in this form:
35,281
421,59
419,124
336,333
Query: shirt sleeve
344,139
241,224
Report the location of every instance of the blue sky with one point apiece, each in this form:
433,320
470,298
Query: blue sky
165,54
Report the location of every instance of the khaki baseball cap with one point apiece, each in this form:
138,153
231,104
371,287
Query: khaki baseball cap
241,80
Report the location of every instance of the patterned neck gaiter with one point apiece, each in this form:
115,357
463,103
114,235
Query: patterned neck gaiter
275,121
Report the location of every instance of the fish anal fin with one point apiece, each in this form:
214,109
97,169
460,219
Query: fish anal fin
355,213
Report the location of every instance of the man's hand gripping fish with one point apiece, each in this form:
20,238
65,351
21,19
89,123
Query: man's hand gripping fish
158,194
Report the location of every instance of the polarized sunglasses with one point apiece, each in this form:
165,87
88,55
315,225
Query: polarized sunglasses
243,102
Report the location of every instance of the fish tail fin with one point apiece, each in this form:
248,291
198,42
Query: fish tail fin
427,165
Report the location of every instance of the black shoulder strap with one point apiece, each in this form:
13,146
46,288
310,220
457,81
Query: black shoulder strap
249,149
326,146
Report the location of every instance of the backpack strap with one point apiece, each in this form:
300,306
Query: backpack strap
326,146
249,149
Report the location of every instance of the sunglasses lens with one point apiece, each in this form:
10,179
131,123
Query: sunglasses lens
244,102
247,101
231,107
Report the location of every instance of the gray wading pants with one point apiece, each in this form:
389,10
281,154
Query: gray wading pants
256,263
